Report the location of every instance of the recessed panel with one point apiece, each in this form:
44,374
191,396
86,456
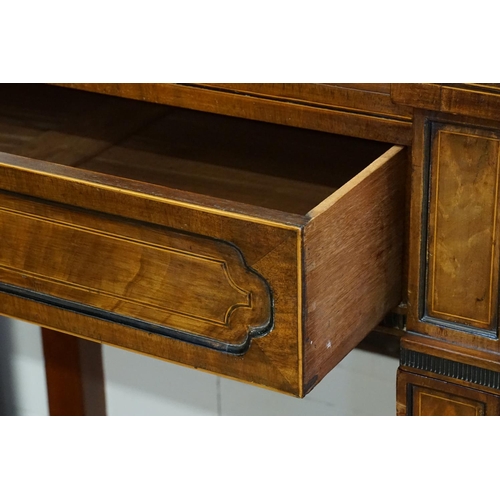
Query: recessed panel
159,277
463,234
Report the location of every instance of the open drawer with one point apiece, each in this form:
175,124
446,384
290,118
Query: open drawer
255,251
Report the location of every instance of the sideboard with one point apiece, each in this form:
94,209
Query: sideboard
259,231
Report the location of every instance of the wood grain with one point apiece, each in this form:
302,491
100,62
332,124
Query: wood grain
371,99
451,351
196,152
450,331
424,396
69,199
463,217
353,255
262,365
32,125
180,281
471,100
65,127
74,373
453,277
236,209
272,361
418,95
315,117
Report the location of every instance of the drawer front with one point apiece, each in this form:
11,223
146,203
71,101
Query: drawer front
219,286
180,285
200,286
424,396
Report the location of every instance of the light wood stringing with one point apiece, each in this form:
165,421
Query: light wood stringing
435,403
419,395
153,274
463,213
451,333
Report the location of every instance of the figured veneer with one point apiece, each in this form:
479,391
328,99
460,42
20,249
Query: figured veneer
423,396
463,235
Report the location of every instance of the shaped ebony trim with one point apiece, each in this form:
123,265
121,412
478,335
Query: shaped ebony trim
172,333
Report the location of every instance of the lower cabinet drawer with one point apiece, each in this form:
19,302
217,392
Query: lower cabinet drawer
426,397
254,251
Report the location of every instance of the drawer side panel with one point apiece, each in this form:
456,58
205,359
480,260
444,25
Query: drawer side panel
353,263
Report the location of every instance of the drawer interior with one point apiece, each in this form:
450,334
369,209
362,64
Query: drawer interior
256,163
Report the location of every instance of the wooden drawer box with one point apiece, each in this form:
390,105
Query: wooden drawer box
260,252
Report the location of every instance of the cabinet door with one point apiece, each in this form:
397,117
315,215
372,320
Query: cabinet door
455,242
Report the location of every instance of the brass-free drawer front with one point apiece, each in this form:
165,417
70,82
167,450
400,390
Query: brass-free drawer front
194,289
250,250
